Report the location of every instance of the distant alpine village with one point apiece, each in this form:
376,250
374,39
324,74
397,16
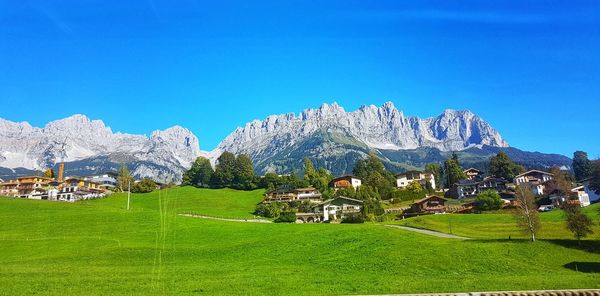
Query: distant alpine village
372,193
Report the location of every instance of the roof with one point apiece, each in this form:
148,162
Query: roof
533,171
30,177
305,189
427,198
340,197
471,169
466,182
345,177
414,172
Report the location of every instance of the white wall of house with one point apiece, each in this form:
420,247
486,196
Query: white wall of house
402,181
356,182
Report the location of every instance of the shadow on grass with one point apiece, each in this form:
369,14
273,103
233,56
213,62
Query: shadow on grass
586,267
592,246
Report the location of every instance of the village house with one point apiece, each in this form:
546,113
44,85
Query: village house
402,180
338,208
429,205
470,188
106,181
592,195
74,189
9,188
288,193
473,174
345,182
535,179
32,186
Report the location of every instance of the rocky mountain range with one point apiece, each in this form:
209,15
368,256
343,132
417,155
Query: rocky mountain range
88,146
329,135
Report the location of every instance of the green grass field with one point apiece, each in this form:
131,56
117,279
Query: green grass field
500,225
97,247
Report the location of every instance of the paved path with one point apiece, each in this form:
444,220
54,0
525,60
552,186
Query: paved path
428,232
576,292
226,219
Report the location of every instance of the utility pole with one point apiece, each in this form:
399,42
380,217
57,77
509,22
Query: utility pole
128,194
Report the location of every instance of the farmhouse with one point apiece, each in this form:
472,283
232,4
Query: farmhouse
429,205
473,174
470,188
535,179
402,180
288,193
338,208
345,182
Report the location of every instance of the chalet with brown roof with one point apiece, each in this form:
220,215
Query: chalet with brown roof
429,205
473,174
345,182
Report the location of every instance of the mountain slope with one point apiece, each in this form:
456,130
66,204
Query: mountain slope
335,139
91,147
330,136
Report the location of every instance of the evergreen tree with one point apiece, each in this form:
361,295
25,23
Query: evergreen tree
595,176
452,171
224,170
199,174
502,166
309,170
582,166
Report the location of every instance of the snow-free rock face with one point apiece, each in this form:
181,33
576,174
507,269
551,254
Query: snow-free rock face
163,156
375,127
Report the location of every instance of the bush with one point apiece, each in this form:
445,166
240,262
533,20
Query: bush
271,210
488,200
143,186
286,217
406,195
353,219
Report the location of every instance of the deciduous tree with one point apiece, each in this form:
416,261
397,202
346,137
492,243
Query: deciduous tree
199,174
578,222
124,178
488,200
224,170
526,213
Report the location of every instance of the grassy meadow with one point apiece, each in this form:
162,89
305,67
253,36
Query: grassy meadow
98,247
501,225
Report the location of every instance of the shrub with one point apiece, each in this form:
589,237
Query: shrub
286,217
488,200
267,210
405,195
354,218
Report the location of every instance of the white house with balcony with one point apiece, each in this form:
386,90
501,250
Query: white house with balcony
338,208
535,179
402,180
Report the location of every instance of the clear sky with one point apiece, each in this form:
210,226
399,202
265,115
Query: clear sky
529,68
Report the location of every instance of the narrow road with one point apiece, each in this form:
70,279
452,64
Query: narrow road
226,219
428,232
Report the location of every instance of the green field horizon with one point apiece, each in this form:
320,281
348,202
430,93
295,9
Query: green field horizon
97,247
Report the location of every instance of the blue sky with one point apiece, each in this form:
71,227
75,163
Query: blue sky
530,68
